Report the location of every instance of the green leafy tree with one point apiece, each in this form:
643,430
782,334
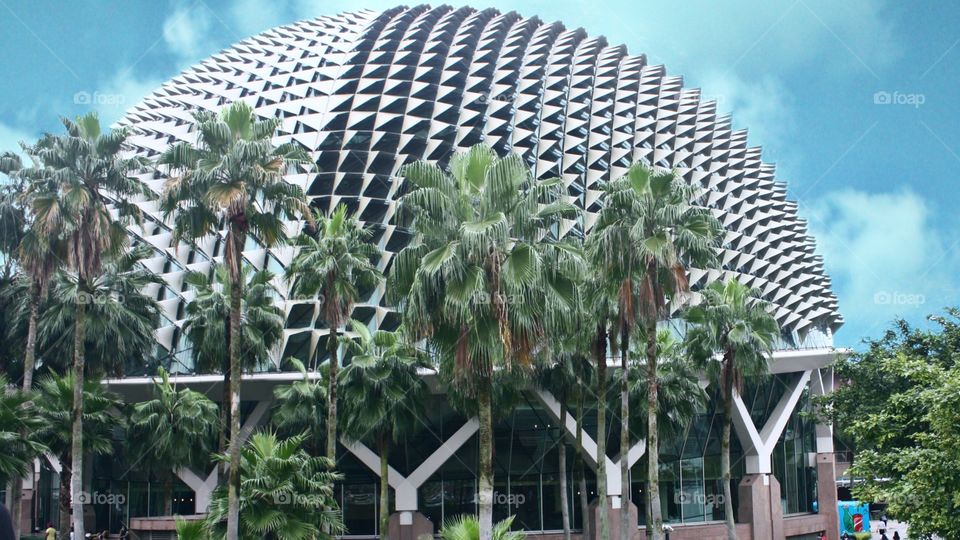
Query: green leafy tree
17,416
335,262
35,258
301,407
562,379
232,179
647,235
679,395
473,282
285,493
191,529
176,429
382,397
83,196
468,528
119,318
208,326
897,407
731,322
100,416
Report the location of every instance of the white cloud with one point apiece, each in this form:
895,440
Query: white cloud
251,17
885,255
10,138
121,92
186,32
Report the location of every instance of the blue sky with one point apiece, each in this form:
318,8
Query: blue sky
854,101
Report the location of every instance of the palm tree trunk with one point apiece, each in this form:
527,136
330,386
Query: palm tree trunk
655,525
384,487
332,395
626,528
232,258
224,445
76,451
225,424
29,364
168,497
600,352
580,472
564,498
486,459
725,459
64,499
30,355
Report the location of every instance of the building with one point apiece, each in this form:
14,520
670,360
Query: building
366,92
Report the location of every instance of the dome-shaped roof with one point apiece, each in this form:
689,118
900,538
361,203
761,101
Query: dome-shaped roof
366,92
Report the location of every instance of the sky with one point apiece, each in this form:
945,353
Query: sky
854,101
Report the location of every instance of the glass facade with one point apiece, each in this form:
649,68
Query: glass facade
527,481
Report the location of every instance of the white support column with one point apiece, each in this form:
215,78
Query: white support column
256,416
758,445
202,487
821,383
614,487
406,487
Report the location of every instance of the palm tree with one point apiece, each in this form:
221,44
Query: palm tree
174,430
600,308
55,404
84,181
285,493
36,258
679,394
232,178
382,396
561,379
731,321
473,281
468,528
17,416
208,326
335,261
120,320
646,236
301,407
191,529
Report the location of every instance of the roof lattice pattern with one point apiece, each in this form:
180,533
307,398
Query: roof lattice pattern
366,92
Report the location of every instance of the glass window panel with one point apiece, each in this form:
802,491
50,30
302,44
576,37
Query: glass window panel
692,499
360,508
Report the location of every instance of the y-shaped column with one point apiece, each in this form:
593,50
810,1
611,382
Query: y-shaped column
406,486
203,486
759,491
614,484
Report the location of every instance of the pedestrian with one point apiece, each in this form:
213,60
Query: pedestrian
896,535
883,535
50,533
883,518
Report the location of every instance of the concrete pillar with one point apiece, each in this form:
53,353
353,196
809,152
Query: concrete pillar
614,509
827,494
759,497
409,525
